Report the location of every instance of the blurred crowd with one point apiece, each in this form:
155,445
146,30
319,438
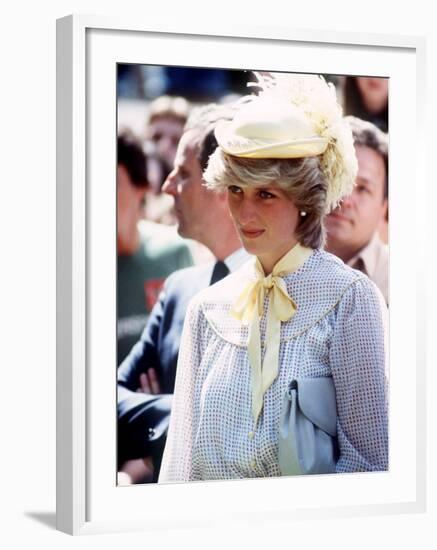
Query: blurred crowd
174,237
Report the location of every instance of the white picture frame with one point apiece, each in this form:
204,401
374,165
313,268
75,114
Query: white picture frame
88,500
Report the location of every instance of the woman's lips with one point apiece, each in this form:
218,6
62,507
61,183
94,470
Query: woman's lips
252,233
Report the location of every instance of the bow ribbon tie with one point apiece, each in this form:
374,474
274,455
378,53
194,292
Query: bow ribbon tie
248,308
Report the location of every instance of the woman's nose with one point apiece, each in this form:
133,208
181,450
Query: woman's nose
347,202
246,212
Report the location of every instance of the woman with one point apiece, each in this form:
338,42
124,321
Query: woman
366,98
294,313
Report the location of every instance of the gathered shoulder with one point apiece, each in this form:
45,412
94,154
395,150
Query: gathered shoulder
343,278
318,287
334,270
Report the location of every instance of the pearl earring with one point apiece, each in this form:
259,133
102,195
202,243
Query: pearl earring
303,213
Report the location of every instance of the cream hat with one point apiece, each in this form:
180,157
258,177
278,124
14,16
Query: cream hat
262,129
294,116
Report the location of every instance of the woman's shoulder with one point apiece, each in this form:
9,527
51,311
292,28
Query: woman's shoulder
319,286
340,277
322,280
325,265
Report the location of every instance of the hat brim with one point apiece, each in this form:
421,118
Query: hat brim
262,148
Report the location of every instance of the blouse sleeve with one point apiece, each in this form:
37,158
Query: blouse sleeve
358,365
177,463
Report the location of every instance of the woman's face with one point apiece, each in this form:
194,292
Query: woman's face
266,220
374,93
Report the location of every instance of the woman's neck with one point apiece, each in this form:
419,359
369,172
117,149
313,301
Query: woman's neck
270,259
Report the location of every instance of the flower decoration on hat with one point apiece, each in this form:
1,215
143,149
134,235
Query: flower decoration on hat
294,116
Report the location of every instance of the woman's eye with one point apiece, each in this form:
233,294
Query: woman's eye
266,195
234,189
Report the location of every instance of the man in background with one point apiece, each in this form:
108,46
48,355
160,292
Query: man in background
146,253
352,228
164,128
150,367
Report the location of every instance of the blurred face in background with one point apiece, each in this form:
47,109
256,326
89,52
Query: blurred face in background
374,93
165,132
130,209
194,204
351,225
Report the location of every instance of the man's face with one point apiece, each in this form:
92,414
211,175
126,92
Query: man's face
353,223
130,208
165,132
193,202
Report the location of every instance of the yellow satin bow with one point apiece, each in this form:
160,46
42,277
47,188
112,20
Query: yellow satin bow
248,308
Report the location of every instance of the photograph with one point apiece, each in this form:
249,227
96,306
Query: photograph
233,324
252,274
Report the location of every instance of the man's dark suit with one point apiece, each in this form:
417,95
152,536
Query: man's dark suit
143,418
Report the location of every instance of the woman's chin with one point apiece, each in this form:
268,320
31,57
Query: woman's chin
250,246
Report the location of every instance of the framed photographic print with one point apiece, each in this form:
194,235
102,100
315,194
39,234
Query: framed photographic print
110,75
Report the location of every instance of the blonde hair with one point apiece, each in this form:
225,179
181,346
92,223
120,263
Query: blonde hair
303,180
169,106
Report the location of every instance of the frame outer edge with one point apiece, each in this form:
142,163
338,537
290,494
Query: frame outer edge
70,280
422,471
72,516
277,32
